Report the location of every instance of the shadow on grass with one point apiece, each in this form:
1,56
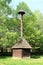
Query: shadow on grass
35,56
4,57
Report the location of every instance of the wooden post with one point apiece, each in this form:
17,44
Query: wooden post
21,12
21,26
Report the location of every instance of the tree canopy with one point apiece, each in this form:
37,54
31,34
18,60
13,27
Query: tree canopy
10,25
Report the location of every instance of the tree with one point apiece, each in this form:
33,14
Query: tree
39,20
10,26
4,7
5,10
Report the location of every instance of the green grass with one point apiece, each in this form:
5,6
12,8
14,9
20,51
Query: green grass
26,61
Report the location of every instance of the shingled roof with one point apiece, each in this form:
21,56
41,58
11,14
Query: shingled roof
22,43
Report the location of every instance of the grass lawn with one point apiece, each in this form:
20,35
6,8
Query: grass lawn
26,61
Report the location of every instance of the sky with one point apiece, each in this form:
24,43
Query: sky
32,4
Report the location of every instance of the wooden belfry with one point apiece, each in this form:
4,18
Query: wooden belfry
21,48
